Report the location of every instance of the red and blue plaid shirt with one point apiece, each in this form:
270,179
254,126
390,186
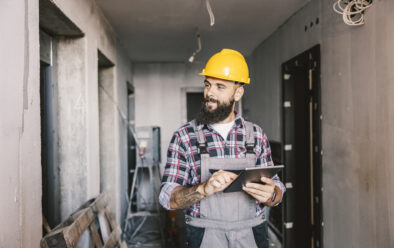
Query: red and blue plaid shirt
183,159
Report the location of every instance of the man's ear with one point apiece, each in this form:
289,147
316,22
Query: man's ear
239,92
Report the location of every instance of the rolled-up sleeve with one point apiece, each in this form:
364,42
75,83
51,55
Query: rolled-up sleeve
176,171
265,159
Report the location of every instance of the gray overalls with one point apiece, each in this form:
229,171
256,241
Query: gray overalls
227,218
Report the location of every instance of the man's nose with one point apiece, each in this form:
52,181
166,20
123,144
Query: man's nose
210,93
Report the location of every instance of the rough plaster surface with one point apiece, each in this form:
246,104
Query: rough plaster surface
356,86
262,100
109,179
20,146
158,88
72,111
100,35
358,136
20,179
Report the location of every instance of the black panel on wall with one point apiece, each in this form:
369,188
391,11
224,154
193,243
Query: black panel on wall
302,150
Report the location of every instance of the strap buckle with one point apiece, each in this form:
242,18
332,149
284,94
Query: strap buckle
202,147
250,148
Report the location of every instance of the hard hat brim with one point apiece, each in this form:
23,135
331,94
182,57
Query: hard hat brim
245,81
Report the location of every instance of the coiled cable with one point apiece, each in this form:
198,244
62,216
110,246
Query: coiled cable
352,11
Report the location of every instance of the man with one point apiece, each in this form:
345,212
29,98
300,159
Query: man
219,139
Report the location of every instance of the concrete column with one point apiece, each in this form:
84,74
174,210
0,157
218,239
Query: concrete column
20,177
109,165
71,64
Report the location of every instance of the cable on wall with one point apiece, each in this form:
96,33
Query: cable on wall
198,37
123,118
210,12
352,11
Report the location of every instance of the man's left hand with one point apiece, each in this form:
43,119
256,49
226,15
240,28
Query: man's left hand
261,192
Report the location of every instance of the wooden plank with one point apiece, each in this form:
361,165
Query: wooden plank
68,233
110,218
104,226
78,227
55,239
123,244
45,224
113,238
100,203
95,236
68,236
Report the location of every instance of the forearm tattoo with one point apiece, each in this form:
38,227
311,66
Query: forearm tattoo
183,197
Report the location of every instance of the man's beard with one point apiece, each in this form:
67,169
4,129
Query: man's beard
222,111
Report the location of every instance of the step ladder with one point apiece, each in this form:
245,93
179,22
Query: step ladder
139,216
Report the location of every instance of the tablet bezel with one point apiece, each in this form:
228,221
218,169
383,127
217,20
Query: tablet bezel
250,175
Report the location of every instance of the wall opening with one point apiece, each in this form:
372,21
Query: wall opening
49,140
131,144
302,150
193,105
55,30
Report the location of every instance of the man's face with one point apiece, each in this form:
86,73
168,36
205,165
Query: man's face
218,92
219,98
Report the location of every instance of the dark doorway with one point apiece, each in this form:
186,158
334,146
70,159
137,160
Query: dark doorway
132,150
302,150
49,140
193,102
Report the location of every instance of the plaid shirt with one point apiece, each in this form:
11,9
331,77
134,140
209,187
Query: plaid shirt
183,160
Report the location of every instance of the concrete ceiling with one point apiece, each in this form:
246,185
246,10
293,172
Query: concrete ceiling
164,30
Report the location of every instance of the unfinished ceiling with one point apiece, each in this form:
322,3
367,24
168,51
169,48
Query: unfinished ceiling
164,30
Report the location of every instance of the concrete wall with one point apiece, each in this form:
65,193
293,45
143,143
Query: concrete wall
264,92
358,131
99,35
20,177
77,75
158,96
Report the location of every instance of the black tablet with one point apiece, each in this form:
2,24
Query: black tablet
252,175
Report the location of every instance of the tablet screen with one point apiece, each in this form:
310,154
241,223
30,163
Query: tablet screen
252,175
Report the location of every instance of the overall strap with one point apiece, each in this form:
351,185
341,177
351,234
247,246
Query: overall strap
201,143
249,137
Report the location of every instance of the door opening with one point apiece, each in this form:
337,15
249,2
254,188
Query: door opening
132,150
194,100
49,138
302,150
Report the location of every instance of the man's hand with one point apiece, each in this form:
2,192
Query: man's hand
185,196
264,192
218,182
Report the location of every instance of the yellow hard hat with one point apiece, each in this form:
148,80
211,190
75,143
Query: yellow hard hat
229,65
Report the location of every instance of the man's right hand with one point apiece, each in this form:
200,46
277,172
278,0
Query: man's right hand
218,182
185,196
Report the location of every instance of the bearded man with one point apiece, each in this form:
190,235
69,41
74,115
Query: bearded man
201,155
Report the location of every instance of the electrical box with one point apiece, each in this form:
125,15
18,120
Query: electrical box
149,139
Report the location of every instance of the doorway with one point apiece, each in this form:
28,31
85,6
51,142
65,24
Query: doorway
131,143
49,138
301,118
193,104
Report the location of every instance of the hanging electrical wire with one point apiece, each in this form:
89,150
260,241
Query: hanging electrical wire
210,12
352,11
191,59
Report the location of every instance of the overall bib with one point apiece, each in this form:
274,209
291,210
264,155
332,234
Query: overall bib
227,219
